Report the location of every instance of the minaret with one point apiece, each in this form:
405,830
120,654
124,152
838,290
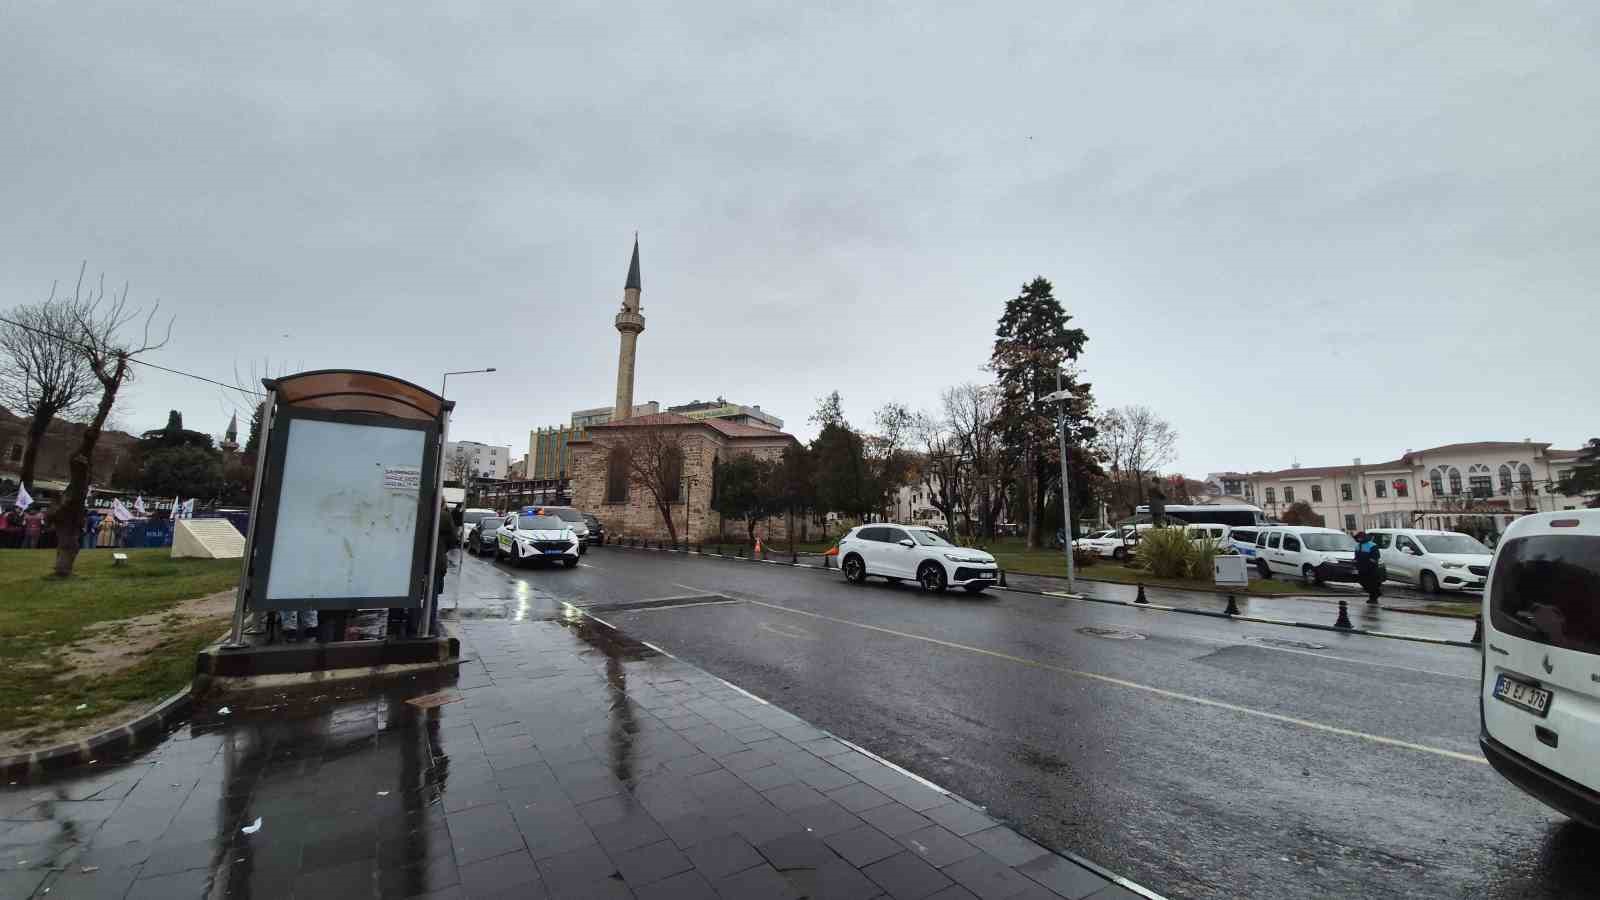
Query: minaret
630,322
230,438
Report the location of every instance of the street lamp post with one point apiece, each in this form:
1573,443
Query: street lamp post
430,608
1060,397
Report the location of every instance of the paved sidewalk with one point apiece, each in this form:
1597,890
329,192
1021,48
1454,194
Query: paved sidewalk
569,762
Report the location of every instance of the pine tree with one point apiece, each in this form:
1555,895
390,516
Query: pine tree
1032,343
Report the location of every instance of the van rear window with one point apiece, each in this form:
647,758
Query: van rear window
1547,589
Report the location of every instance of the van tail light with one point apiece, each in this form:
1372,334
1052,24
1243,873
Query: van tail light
1563,523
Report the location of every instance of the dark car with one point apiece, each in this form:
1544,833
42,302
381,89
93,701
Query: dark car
597,531
486,537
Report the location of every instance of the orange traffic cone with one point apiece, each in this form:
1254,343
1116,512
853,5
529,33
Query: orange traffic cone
758,548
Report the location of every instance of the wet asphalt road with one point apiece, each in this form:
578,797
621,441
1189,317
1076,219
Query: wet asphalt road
1201,757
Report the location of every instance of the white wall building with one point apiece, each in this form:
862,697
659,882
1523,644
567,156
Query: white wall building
487,460
1433,488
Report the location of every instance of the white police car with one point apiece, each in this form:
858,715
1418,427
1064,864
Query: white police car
528,536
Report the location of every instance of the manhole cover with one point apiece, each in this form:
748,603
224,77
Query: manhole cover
1285,642
1115,634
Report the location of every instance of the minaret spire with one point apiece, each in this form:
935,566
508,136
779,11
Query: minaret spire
630,323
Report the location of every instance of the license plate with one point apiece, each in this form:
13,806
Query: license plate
1519,693
552,553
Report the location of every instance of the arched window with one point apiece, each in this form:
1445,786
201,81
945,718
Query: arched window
1505,479
1437,480
1455,481
1525,476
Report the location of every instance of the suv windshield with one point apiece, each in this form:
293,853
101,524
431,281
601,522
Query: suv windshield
929,538
474,516
1547,589
1328,542
1452,543
540,523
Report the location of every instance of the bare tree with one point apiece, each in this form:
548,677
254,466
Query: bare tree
944,469
650,457
971,411
97,323
887,451
1137,443
458,468
42,375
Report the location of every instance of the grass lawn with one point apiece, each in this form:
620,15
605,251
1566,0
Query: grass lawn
41,617
1013,556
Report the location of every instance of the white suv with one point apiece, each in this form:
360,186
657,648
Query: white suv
1432,560
899,552
1539,704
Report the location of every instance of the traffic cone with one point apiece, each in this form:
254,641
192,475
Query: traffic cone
1477,629
1344,616
1141,598
760,554
1233,607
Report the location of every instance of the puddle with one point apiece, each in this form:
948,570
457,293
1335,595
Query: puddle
1115,634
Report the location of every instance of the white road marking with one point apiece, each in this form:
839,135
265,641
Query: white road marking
677,606
1133,685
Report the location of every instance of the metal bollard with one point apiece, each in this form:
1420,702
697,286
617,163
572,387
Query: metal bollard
1344,616
1141,598
719,548
1003,578
740,551
827,561
1233,607
1477,629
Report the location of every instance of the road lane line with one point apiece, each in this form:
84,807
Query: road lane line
1122,682
644,609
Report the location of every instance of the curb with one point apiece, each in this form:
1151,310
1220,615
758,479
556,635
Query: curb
142,731
1062,595
1102,871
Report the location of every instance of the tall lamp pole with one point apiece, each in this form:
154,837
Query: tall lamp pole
1060,397
429,609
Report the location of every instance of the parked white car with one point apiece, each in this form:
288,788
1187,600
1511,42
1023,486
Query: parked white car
1539,698
1095,540
1315,554
906,552
1243,539
1433,560
529,535
1220,534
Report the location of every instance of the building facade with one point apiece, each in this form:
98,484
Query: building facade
1491,482
602,486
728,411
484,461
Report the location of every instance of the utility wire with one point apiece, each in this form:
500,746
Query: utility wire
82,346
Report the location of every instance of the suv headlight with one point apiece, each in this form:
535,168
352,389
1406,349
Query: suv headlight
956,557
1453,565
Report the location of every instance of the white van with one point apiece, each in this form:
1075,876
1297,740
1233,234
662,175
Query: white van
1211,530
1433,560
1540,700
1315,554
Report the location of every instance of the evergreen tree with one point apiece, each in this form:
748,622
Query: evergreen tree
1032,343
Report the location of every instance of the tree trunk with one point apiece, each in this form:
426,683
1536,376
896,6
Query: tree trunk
30,450
666,516
750,530
69,515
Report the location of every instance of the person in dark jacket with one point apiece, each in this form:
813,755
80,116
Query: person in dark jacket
1368,569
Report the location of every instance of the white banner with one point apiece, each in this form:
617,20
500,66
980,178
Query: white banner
120,512
24,500
138,506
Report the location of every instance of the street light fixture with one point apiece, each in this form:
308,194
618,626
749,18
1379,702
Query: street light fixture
1060,398
462,372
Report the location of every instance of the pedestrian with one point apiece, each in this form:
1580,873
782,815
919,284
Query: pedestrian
32,524
1368,570
10,531
91,529
107,532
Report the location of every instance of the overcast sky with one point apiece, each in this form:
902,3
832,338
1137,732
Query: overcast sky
1295,230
